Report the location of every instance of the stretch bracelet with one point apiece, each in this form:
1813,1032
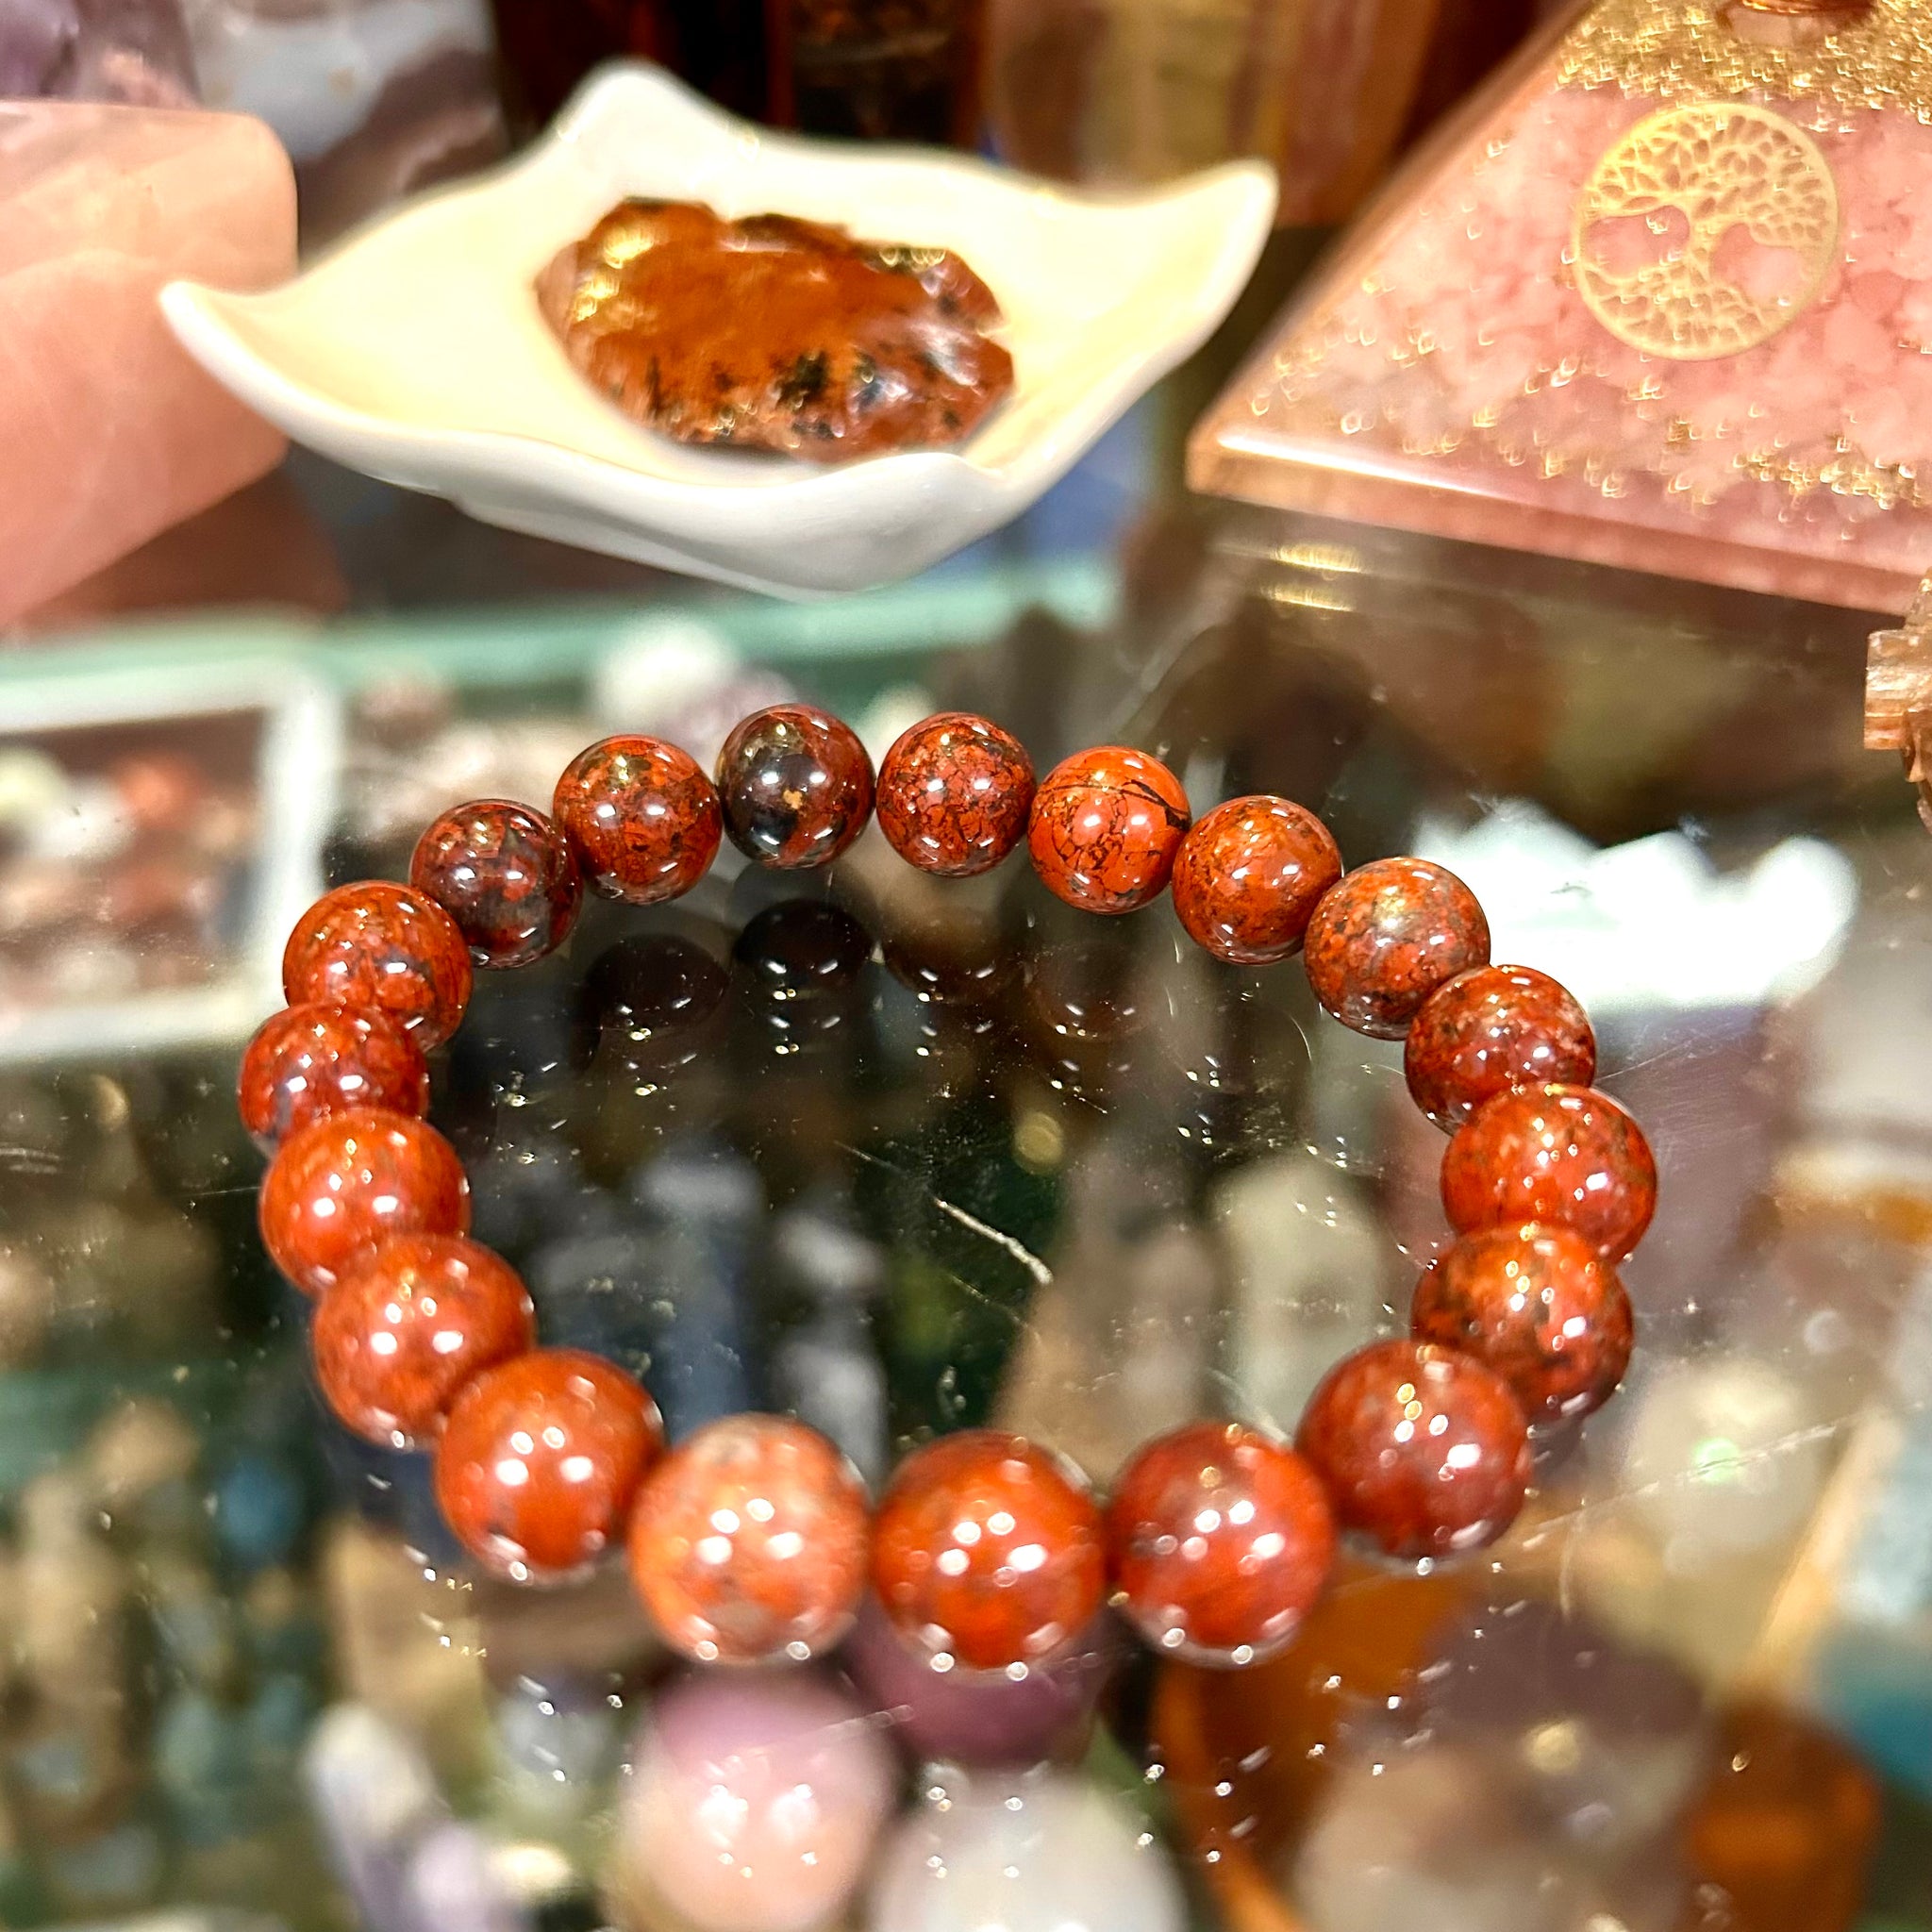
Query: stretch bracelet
754,1539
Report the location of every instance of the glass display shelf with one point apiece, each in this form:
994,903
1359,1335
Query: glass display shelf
902,1156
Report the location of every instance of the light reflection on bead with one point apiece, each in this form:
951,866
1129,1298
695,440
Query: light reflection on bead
748,1541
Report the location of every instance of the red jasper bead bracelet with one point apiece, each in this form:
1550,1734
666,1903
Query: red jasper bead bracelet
754,1539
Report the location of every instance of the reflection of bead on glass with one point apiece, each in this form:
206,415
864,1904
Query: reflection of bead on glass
752,1803
880,70
645,1000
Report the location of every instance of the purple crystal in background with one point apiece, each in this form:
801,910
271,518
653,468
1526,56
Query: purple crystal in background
131,51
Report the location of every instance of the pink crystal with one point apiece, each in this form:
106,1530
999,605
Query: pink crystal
753,1804
110,432
96,50
1448,375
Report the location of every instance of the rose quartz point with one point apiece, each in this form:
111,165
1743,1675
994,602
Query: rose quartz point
113,433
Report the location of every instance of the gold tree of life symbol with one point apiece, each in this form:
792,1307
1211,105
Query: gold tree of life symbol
1719,165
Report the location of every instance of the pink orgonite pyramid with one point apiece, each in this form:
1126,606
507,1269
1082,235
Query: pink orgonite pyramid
1662,298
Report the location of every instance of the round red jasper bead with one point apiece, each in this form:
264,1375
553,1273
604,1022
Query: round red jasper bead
345,1182
1387,936
310,1061
404,1329
1249,875
748,1541
954,793
988,1552
1553,1153
797,787
1220,1538
505,873
1105,827
539,1462
1539,1306
1490,1029
1421,1449
641,818
387,949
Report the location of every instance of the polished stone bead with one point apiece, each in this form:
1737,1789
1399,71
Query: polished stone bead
401,1333
540,1459
310,1061
1387,936
385,948
1220,1538
797,787
1421,1449
1536,1304
1105,827
954,793
1249,877
641,818
505,873
1554,1153
988,1551
748,1541
346,1182
1490,1029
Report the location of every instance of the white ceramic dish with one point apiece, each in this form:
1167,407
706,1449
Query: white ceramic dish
415,351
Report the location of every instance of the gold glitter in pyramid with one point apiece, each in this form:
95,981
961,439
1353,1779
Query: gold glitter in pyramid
1660,297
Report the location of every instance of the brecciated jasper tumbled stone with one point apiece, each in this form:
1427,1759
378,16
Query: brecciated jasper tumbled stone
1249,877
776,333
795,785
314,1059
382,948
1490,1029
1553,1153
348,1181
748,1542
505,874
1536,1302
641,818
954,793
1387,936
1107,825
1221,1539
988,1551
1421,1449
540,1459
